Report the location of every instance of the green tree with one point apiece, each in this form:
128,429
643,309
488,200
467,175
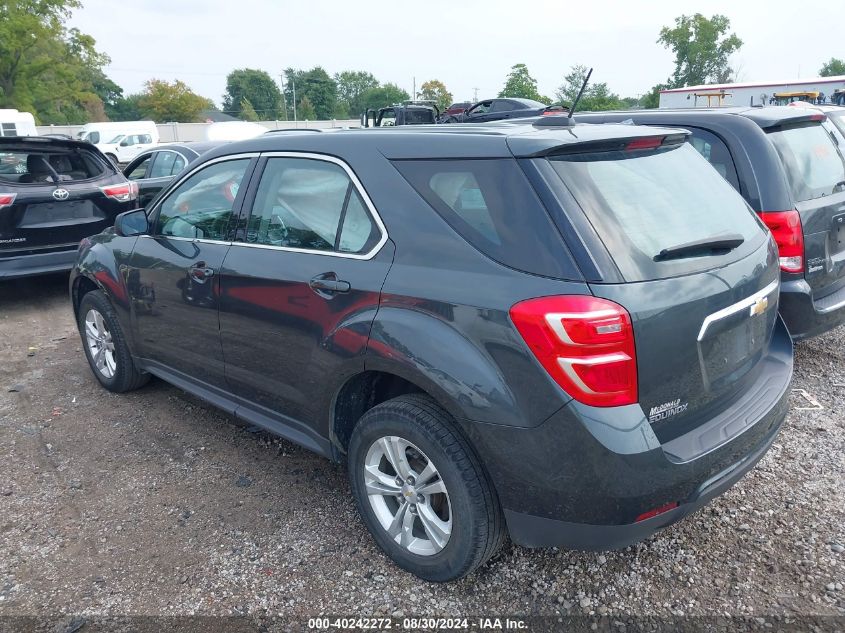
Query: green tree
702,48
435,90
125,108
305,110
381,97
351,85
652,98
315,84
258,88
46,68
248,113
520,83
163,101
833,68
597,96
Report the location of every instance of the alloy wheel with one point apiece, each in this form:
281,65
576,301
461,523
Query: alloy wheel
408,496
100,344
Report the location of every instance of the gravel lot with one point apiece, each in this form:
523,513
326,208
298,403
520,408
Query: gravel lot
152,503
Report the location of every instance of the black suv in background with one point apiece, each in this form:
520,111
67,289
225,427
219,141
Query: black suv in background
53,193
791,171
565,334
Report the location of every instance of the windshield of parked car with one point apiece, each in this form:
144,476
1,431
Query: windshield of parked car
642,203
814,166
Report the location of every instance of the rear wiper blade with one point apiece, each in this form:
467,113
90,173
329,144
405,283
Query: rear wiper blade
707,245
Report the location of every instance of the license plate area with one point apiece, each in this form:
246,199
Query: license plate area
49,214
731,348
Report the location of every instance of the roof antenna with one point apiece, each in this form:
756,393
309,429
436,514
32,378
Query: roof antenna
580,93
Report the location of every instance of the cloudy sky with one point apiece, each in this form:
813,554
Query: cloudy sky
467,44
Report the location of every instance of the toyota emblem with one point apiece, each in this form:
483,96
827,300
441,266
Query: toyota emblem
61,194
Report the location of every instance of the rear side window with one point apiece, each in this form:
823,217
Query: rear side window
43,167
716,152
493,207
641,203
814,166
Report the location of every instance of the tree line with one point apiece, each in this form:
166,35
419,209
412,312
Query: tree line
57,73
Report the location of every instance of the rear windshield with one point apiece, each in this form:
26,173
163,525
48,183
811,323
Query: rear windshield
814,167
40,167
419,116
641,203
492,206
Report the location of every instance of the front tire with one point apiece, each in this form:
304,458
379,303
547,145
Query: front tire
105,345
421,491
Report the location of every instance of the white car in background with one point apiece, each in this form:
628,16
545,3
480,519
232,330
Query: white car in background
121,141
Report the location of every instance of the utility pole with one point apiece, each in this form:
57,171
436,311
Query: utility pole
284,99
293,81
414,93
475,97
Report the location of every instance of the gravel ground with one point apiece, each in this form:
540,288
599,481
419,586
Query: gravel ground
152,503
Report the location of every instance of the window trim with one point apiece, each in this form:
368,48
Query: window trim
153,215
355,183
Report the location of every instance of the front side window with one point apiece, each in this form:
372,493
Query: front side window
163,166
139,170
201,206
814,167
311,205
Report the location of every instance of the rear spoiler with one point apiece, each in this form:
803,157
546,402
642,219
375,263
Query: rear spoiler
767,120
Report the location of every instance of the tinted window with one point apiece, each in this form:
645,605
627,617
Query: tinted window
302,203
178,165
814,166
505,106
139,171
202,205
491,205
41,167
643,202
716,152
163,166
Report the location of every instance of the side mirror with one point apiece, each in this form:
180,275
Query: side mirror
131,223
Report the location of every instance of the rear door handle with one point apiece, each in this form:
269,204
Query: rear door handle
328,283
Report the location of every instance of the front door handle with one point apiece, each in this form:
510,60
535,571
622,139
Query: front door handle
200,272
328,283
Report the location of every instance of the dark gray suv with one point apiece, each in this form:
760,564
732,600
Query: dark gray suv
791,170
567,334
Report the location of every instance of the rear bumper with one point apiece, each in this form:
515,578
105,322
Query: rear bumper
583,477
37,264
806,317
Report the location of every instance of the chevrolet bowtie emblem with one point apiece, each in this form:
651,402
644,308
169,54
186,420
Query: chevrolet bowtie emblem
759,306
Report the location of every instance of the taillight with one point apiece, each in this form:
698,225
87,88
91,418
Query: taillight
585,343
123,192
789,236
6,199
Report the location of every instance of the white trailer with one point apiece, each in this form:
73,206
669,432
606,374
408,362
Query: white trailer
744,94
16,123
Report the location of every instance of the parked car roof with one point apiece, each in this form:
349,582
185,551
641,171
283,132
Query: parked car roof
493,140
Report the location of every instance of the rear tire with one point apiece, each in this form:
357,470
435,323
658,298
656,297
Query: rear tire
105,345
444,520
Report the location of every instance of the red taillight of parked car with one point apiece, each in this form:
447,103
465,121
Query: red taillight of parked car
789,236
585,343
6,199
124,192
